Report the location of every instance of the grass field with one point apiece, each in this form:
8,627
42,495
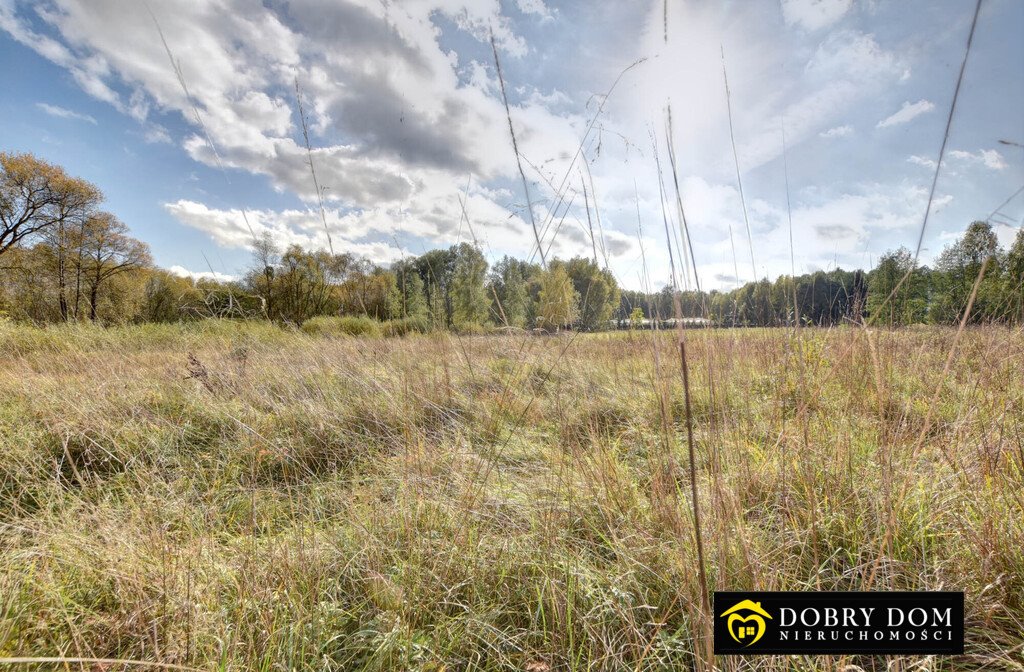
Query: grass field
242,497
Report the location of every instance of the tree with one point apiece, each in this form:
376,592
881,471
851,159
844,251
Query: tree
908,304
958,268
509,292
165,297
558,302
36,196
755,304
469,294
107,251
302,287
266,256
1014,285
25,286
598,292
372,291
636,318
629,301
435,269
413,302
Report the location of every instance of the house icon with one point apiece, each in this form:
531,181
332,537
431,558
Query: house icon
745,629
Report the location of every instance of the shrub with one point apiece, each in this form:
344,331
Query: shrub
406,325
348,325
473,329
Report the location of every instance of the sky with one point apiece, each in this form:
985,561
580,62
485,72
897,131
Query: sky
185,113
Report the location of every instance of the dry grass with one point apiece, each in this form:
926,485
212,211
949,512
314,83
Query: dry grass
240,497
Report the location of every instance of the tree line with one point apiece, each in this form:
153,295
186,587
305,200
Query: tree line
896,292
63,259
452,288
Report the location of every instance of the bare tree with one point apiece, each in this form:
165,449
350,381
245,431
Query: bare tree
266,256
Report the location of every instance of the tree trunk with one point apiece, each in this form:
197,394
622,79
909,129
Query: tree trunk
62,299
78,268
94,291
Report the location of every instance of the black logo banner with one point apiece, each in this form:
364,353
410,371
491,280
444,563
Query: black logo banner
898,623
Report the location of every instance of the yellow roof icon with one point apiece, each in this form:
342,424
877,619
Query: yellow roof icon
749,606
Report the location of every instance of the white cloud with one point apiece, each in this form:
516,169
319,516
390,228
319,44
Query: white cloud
183,272
907,113
992,159
989,158
64,113
535,7
814,14
431,213
288,227
853,56
395,126
921,161
842,225
398,123
837,132
156,134
842,69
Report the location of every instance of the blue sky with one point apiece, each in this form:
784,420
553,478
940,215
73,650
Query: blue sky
405,120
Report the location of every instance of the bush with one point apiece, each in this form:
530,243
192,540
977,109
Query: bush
348,325
472,329
406,325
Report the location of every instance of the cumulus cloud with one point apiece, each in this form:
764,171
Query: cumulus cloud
840,69
837,132
535,7
64,113
844,225
396,122
432,214
231,229
921,161
814,14
183,272
908,112
989,158
156,134
986,158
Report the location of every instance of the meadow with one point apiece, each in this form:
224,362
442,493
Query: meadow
239,496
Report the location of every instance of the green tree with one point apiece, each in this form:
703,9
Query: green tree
165,297
108,251
413,301
510,296
597,290
958,267
435,269
469,294
302,287
908,304
40,200
371,291
636,318
558,302
1013,289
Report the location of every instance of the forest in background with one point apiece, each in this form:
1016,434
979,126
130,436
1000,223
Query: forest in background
64,259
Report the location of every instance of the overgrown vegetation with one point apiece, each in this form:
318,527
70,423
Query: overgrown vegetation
240,496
